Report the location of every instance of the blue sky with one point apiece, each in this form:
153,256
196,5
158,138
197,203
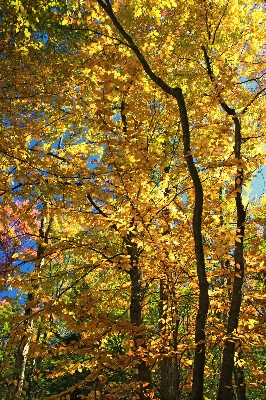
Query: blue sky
258,186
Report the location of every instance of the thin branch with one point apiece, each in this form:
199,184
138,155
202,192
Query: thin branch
220,21
156,79
100,211
100,33
252,101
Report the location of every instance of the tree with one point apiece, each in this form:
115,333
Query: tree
143,136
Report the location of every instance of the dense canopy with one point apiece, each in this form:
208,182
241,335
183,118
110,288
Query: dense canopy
132,254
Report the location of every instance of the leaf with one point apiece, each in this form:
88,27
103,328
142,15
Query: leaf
165,97
27,33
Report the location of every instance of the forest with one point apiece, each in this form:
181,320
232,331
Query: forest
132,245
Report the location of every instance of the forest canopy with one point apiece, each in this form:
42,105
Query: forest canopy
132,256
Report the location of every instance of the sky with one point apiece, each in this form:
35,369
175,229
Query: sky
258,186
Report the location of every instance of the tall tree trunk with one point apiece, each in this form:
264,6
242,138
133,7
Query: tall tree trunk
169,366
22,354
176,93
203,307
35,365
226,391
240,379
176,366
136,298
166,366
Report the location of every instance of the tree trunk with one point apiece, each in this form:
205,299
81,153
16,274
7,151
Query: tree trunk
199,358
136,298
226,390
22,355
176,366
166,366
176,93
240,382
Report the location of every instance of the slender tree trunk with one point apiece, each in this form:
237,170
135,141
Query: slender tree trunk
176,366
166,366
176,93
240,380
22,355
199,358
226,391
35,365
136,298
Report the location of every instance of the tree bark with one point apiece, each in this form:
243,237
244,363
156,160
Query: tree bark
199,358
166,364
22,355
240,381
226,391
136,298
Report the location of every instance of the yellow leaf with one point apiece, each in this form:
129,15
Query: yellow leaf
27,33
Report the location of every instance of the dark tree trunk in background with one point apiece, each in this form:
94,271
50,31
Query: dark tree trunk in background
136,298
166,364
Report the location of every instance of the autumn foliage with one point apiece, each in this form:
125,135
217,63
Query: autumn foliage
130,134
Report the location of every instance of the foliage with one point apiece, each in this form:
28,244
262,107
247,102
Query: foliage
125,228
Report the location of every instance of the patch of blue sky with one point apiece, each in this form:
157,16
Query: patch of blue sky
117,117
258,185
11,292
93,161
42,37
